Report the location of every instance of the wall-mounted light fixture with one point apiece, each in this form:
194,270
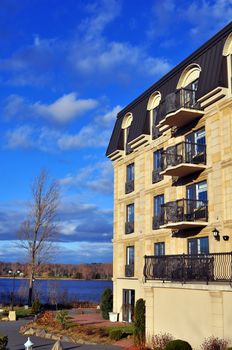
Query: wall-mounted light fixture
225,237
216,234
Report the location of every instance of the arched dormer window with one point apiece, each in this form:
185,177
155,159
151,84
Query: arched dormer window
227,52
152,108
126,123
188,83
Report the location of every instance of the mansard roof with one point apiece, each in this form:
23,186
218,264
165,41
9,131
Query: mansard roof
213,74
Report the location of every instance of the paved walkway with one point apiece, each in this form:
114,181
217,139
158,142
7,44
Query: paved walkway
16,341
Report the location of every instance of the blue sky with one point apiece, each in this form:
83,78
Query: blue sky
66,69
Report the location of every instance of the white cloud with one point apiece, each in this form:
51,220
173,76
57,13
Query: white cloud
93,135
206,17
62,110
21,137
97,177
65,108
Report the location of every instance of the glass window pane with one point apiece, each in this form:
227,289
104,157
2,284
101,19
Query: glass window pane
130,255
130,172
130,213
160,248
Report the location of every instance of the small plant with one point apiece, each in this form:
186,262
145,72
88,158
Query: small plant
3,342
47,318
178,344
36,306
106,304
139,324
62,318
214,343
116,334
160,341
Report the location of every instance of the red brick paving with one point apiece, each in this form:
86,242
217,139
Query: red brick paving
96,319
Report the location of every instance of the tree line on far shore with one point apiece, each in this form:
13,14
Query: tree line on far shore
75,271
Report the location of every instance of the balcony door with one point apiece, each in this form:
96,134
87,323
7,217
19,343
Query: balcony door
158,213
198,246
130,254
195,147
197,201
128,305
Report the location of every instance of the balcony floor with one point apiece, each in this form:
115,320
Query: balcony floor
183,169
182,225
181,117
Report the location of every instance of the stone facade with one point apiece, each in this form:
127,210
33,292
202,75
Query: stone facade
191,310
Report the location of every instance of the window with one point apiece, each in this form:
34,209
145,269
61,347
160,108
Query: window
198,246
159,248
127,120
156,177
129,187
197,192
197,205
130,255
130,213
129,226
158,214
195,147
130,172
153,107
128,305
129,268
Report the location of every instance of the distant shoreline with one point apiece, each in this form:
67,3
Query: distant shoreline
56,279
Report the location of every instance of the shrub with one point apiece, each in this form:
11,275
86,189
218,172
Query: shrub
36,306
3,342
178,344
214,343
139,324
106,304
160,341
62,318
116,334
47,318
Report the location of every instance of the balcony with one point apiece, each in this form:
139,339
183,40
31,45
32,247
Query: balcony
214,267
184,214
129,227
180,108
129,270
156,176
183,159
129,186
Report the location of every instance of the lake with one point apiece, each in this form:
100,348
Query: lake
59,290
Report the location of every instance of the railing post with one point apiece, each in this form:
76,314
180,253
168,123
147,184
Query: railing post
145,268
183,259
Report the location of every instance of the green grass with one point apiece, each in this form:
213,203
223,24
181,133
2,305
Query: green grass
125,330
21,312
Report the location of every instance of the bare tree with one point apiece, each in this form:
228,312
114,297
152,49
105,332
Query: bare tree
37,233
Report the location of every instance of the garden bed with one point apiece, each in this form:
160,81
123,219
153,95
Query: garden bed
80,328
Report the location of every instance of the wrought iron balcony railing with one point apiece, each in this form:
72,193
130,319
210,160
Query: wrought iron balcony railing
179,108
157,221
216,267
129,227
129,186
129,270
183,152
184,210
156,176
182,98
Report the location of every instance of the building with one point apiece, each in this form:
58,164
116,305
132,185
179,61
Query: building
171,149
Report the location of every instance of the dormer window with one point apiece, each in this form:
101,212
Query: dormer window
153,107
127,120
227,52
